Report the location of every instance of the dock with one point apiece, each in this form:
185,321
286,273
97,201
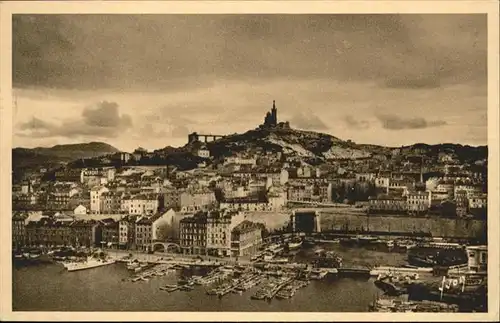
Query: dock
353,271
399,270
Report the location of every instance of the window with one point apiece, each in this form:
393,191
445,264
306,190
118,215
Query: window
483,256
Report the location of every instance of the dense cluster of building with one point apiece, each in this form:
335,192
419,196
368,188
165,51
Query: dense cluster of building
204,209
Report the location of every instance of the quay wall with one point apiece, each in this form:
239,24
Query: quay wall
272,220
440,227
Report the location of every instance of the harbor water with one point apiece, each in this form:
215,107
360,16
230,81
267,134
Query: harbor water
50,287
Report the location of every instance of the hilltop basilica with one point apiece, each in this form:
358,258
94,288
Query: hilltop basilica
271,119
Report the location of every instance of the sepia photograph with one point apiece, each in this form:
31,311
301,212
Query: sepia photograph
257,162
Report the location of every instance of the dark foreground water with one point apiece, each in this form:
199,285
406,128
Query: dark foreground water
52,288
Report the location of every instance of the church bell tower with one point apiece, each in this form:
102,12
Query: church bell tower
274,113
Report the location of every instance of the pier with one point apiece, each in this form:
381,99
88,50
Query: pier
399,270
354,272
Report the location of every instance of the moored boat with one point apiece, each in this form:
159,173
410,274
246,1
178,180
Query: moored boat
295,243
88,264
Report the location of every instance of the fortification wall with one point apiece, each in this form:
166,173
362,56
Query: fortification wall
442,227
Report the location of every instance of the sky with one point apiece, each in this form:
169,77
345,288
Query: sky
149,80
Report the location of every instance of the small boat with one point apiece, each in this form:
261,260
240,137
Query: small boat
295,243
319,251
318,274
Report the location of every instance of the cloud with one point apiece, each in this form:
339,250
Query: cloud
356,123
132,52
419,82
102,120
106,115
308,122
36,124
395,122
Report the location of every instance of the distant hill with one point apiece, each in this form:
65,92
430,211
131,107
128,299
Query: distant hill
26,158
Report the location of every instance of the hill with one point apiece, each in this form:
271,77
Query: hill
311,146
27,158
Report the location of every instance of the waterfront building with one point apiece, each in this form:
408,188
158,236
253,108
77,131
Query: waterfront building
477,258
307,221
219,226
86,233
19,221
126,231
193,233
49,232
246,238
110,233
143,233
